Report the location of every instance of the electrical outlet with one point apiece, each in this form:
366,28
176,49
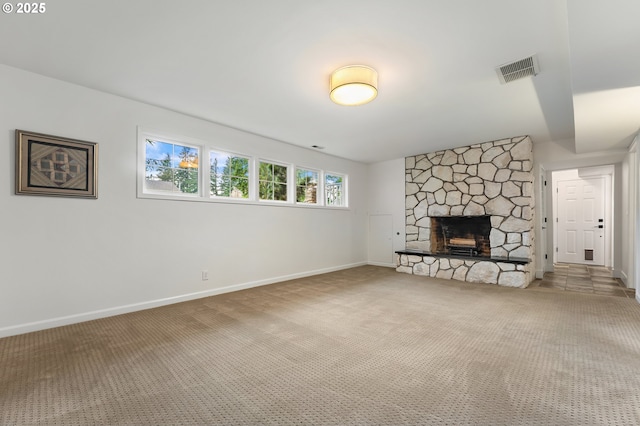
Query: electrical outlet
205,275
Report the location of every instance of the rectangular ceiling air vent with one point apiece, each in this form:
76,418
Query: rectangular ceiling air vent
518,69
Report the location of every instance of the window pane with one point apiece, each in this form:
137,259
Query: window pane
239,166
266,190
306,186
228,175
272,182
280,191
334,190
266,171
239,188
171,168
187,180
280,173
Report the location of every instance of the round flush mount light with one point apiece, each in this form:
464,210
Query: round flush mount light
353,85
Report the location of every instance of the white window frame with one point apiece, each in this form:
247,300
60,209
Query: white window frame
345,186
207,178
319,199
204,154
144,192
289,167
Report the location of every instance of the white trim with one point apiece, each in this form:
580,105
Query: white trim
289,167
633,214
542,227
623,276
616,273
345,185
319,199
206,175
386,265
606,172
134,307
141,172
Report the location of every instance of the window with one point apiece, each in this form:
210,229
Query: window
228,175
171,168
306,186
334,190
272,182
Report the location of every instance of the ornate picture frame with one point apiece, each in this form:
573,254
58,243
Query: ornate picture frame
55,166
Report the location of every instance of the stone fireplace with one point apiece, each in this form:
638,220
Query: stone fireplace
469,213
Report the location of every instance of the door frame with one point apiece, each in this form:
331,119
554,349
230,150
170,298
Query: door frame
631,276
606,172
543,224
598,245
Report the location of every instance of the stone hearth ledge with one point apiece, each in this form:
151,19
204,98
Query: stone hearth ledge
505,272
495,259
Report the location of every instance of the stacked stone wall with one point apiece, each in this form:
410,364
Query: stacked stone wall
492,178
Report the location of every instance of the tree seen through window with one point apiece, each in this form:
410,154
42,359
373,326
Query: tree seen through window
272,182
171,167
228,175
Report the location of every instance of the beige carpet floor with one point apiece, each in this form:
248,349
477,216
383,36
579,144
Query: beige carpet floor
361,346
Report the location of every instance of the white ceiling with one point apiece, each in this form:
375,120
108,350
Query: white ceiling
263,66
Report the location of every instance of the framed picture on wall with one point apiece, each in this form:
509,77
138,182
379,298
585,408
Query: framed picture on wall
55,166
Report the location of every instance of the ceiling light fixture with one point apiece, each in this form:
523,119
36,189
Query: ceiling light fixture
353,85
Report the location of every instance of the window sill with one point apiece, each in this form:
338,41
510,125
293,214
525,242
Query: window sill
237,201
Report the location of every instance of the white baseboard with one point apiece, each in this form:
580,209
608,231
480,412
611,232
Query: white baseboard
118,310
625,279
386,265
623,276
539,274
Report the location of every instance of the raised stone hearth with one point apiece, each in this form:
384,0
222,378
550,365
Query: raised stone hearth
444,189
506,272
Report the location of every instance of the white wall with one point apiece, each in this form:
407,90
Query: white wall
65,260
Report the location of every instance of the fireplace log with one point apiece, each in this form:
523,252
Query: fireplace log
462,242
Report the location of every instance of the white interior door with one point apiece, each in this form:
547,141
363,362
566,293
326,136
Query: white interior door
581,221
381,240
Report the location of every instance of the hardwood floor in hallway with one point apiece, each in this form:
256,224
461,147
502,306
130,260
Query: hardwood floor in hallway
585,279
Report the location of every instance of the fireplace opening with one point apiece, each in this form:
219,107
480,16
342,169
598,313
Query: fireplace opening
461,235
